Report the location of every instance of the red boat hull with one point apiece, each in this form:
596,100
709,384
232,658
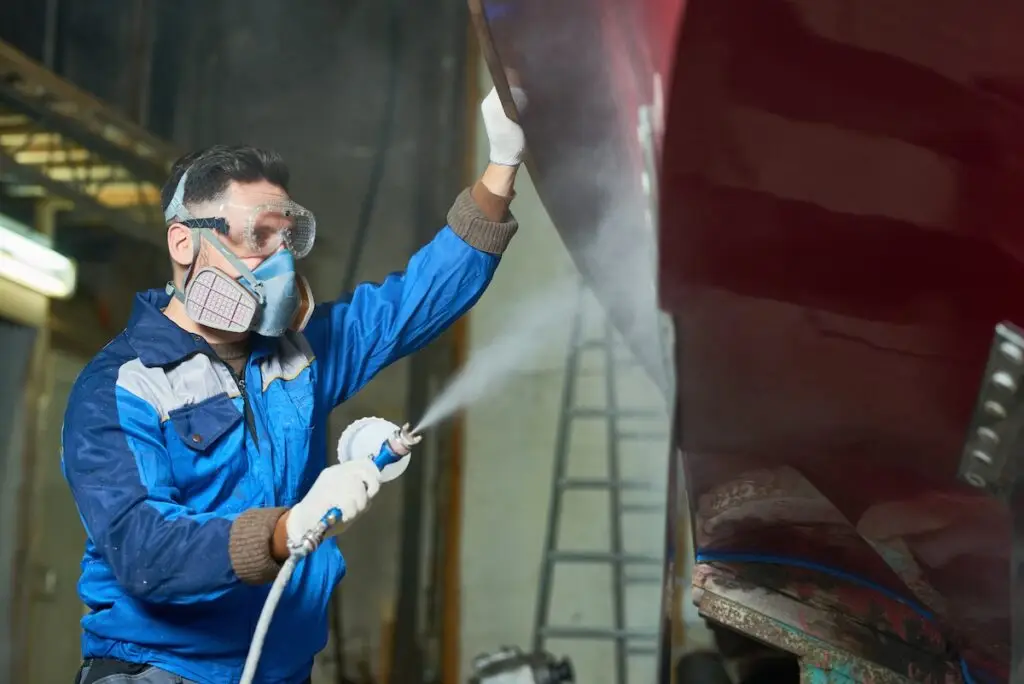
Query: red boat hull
839,233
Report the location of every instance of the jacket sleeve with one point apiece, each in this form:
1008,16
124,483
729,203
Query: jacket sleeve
160,551
379,323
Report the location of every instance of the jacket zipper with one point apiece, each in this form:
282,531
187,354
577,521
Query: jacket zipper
250,417
250,424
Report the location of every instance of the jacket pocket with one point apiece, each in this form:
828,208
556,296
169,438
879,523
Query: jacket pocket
199,426
209,461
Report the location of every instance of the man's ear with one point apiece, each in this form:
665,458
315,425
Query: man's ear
179,244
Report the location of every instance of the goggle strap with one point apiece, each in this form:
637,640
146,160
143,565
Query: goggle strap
217,225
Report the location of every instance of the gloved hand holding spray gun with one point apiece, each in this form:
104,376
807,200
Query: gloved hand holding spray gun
377,451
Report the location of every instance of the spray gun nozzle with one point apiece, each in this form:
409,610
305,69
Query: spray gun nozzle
409,436
404,440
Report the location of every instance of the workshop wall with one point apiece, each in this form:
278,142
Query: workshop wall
56,540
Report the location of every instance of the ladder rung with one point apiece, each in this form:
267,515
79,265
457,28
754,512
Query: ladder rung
643,436
559,632
587,483
591,412
642,650
643,508
602,557
643,580
620,355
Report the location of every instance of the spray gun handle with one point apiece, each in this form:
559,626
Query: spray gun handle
330,518
313,537
393,450
386,456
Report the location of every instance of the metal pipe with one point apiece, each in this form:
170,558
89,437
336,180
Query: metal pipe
141,71
50,35
439,96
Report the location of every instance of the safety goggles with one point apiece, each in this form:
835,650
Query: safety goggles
261,230
255,230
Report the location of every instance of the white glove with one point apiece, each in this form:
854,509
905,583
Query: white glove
345,486
505,135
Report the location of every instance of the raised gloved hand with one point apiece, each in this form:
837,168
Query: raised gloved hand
506,136
346,486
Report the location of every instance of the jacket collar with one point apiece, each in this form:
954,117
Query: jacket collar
160,342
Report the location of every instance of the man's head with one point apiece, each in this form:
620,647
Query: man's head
233,235
227,182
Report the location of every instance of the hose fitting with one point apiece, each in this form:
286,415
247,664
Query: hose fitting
312,539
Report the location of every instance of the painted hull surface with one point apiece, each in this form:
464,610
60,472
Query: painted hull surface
840,190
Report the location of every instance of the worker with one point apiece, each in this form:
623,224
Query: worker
194,443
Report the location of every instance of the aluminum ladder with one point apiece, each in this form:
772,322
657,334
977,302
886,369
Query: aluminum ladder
625,496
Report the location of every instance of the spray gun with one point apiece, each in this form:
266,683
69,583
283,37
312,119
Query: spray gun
389,447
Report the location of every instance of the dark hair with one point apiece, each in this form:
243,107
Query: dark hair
210,172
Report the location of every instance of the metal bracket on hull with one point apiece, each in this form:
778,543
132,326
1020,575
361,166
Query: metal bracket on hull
992,439
989,461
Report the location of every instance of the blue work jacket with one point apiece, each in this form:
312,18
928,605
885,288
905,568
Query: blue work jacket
161,458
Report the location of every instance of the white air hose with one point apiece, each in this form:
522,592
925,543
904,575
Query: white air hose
252,660
379,440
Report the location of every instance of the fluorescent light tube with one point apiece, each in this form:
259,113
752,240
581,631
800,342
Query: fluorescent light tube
28,258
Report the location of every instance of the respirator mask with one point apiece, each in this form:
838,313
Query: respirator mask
268,299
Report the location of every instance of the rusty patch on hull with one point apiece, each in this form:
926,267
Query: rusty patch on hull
804,623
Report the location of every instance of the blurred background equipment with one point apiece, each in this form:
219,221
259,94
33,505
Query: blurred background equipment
510,665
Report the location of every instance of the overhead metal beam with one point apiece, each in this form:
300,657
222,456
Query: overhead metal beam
34,82
140,222
60,140
50,121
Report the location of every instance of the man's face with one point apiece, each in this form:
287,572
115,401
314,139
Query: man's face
255,230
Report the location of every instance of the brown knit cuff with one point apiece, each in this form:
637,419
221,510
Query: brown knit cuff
494,207
470,222
249,545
